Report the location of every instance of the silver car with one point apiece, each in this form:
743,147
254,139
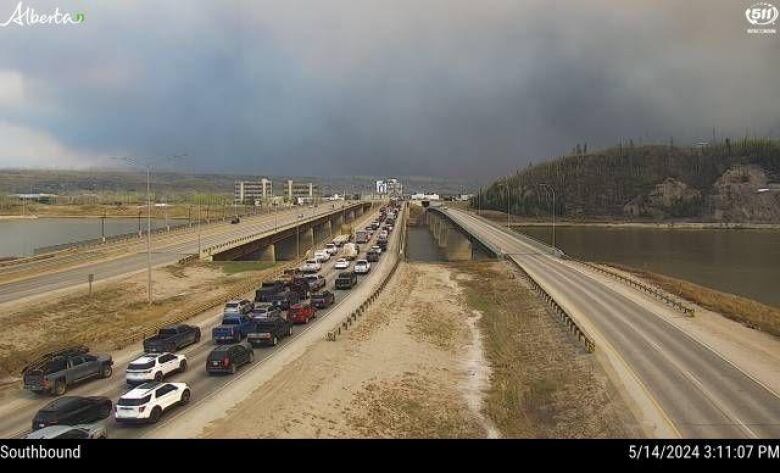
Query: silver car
80,431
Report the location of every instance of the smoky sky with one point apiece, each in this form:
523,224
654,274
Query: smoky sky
453,88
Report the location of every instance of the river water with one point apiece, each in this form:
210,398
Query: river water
743,262
20,237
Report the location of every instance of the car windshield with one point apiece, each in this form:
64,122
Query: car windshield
129,402
232,305
231,321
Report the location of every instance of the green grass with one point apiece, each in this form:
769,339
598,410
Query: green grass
235,267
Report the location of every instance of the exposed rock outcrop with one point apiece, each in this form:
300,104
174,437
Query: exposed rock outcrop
670,198
735,197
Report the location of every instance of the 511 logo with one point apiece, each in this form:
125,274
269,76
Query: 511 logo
762,16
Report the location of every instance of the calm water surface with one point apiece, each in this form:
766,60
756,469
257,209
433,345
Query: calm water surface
21,237
744,262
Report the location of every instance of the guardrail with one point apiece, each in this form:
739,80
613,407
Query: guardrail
660,295
564,316
357,313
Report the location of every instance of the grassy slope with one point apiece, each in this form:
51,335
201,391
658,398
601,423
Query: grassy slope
741,309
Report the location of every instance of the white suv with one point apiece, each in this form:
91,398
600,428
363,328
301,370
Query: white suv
322,256
154,367
311,266
147,402
362,266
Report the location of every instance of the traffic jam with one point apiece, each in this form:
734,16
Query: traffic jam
151,389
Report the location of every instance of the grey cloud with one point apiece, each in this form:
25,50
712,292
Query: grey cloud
446,87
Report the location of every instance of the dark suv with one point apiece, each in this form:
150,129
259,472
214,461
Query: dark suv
346,280
322,300
227,358
73,410
54,372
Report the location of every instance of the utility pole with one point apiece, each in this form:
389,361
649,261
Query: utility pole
147,163
103,226
199,219
149,230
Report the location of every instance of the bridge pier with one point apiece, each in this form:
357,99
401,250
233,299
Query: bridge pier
305,240
286,249
268,254
458,247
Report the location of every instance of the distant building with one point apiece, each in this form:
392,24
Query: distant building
421,196
252,192
46,198
305,191
390,187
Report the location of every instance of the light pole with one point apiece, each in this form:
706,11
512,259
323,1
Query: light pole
552,190
147,163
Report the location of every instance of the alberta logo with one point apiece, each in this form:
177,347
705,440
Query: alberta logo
27,16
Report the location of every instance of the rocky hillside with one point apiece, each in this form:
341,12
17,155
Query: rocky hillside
715,183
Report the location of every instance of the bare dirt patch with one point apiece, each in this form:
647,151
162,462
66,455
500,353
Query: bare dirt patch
383,379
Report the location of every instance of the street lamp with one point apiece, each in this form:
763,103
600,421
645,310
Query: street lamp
147,164
552,190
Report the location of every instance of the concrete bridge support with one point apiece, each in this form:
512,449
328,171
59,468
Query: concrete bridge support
268,254
286,249
458,246
350,216
305,240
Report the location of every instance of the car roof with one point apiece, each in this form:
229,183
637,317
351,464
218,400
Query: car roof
142,390
148,357
63,403
50,431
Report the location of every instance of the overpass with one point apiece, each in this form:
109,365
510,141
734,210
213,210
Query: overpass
294,231
682,386
286,241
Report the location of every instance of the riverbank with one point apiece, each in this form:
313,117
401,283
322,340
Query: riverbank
746,311
515,221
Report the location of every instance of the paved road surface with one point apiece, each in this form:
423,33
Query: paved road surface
164,251
701,393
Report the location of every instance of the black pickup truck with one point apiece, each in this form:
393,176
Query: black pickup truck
172,338
269,330
269,289
54,372
284,299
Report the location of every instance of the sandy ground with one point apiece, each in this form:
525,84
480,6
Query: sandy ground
116,310
411,368
430,360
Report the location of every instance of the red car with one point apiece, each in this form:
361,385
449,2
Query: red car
301,313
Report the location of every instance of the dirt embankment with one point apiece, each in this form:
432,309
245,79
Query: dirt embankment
115,311
448,351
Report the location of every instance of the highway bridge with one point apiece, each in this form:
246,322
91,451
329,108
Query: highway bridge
283,235
692,390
